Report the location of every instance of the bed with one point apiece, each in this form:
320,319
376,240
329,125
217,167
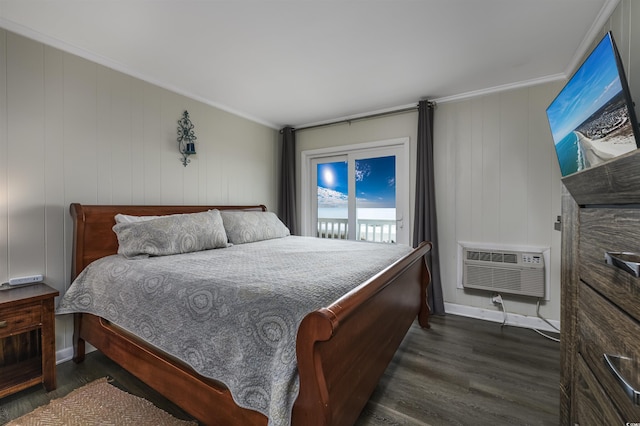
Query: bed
341,348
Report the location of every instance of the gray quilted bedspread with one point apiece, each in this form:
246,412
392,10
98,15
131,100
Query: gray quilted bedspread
232,313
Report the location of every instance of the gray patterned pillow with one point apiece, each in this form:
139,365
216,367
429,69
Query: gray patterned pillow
173,234
249,226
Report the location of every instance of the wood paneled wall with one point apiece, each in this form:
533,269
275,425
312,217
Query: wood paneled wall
75,131
498,182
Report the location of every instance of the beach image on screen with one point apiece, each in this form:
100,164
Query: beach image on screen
590,119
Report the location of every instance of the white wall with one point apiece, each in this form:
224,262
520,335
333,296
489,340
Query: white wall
75,131
498,183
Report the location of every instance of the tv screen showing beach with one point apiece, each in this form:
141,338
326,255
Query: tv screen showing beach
592,119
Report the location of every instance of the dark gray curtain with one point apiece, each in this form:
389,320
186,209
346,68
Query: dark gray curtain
287,201
425,226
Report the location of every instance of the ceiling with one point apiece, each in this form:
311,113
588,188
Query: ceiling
304,62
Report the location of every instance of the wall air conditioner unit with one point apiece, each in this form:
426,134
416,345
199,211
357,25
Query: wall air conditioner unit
500,271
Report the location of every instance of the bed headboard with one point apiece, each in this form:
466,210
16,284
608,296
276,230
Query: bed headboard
93,237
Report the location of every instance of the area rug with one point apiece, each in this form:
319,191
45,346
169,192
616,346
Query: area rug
99,403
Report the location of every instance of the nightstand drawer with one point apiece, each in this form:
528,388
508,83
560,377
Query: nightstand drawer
610,230
17,320
603,329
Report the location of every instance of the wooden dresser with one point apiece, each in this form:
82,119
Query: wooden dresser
600,339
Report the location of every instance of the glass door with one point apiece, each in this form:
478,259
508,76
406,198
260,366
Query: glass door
357,196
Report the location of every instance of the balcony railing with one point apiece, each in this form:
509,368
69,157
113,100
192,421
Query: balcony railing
383,231
377,230
333,228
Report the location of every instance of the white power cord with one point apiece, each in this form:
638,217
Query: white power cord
543,318
497,299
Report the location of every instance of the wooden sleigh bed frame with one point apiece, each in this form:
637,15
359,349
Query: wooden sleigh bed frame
342,349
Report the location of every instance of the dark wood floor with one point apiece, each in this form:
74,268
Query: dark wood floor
462,371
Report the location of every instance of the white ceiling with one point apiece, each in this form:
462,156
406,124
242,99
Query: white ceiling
302,62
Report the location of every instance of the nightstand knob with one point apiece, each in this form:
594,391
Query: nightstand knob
3,324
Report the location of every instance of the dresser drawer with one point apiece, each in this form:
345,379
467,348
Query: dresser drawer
592,405
610,230
18,319
604,329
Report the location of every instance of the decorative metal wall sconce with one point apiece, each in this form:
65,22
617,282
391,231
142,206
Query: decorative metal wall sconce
186,136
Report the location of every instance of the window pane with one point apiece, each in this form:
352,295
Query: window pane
333,196
376,199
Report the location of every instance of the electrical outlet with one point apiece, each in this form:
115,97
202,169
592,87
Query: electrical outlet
497,299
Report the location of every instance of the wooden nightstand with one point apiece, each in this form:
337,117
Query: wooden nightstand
27,338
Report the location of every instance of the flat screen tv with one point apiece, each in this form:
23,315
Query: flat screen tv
592,119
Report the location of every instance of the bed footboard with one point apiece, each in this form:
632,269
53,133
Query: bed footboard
344,349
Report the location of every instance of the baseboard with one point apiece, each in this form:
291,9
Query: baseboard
66,354
515,320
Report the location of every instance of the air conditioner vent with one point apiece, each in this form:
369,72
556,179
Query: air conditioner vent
504,271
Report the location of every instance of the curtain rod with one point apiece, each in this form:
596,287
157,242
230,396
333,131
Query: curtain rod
364,117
